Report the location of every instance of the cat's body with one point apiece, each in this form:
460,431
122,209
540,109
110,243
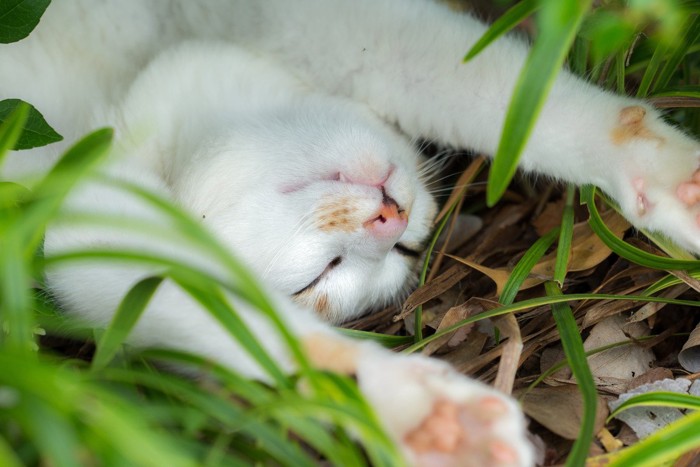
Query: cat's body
276,145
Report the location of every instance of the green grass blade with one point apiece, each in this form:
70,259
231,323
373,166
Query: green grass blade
510,19
386,340
250,390
15,301
215,303
11,129
666,282
71,419
301,419
522,269
565,237
51,429
664,446
221,407
682,91
53,189
576,355
129,311
578,57
620,74
7,455
652,69
525,305
659,399
418,312
558,21
133,440
678,53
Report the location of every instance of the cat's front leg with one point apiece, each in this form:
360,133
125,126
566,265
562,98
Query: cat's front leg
404,60
654,174
437,416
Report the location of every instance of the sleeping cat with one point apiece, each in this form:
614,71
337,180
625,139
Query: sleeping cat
283,127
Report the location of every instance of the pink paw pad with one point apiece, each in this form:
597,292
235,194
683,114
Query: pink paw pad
643,203
689,191
464,434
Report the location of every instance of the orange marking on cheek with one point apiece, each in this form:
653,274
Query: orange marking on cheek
631,126
335,215
321,304
329,353
304,298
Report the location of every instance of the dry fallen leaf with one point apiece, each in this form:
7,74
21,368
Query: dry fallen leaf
499,276
551,356
434,288
453,315
560,409
689,357
512,349
587,251
619,363
646,420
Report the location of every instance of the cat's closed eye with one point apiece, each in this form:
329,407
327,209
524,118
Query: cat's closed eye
334,262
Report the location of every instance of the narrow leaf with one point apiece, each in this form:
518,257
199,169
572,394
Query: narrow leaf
678,53
652,69
53,189
623,248
541,301
659,399
215,304
576,355
7,456
11,128
502,25
565,237
522,270
663,446
129,311
559,21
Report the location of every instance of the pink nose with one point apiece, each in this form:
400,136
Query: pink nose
389,222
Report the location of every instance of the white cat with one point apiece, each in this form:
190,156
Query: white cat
280,145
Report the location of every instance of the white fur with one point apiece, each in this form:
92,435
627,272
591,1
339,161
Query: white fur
250,137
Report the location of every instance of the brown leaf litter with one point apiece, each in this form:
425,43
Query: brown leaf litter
512,351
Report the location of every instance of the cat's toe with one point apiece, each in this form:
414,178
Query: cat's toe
441,418
689,191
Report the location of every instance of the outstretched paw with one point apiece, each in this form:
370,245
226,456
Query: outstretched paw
441,418
657,181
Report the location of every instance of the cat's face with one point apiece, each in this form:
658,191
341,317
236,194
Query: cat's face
331,210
